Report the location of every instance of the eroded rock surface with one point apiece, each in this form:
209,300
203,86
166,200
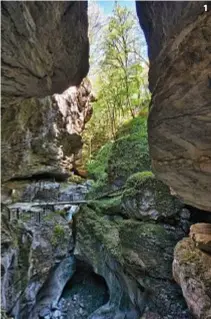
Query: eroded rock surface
44,47
42,136
201,235
179,126
192,271
37,245
132,248
45,50
30,252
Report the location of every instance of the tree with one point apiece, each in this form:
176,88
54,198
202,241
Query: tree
97,23
123,85
121,69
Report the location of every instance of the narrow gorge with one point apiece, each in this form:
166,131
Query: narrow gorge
106,187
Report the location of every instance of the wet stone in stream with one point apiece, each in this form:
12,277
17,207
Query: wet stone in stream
83,294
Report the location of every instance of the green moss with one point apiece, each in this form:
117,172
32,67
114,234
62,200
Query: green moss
107,206
128,156
95,229
137,179
117,160
134,229
58,235
190,256
62,213
129,153
140,182
116,237
75,179
136,126
50,216
97,167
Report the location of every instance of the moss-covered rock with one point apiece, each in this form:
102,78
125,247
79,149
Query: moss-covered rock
192,271
117,160
108,206
129,153
58,236
147,198
134,257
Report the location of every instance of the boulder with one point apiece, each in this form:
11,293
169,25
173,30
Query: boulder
147,198
192,271
201,235
178,37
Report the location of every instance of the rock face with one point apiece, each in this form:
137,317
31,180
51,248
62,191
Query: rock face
42,136
44,47
45,50
37,245
30,252
147,199
127,244
192,271
201,235
179,126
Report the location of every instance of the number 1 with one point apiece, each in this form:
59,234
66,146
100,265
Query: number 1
205,7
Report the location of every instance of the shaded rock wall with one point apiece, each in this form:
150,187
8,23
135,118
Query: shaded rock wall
36,247
44,47
179,126
42,136
31,252
45,50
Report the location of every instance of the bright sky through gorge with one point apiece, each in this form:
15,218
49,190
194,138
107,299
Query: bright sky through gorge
108,6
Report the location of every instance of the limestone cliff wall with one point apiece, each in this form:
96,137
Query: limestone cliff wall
44,47
179,126
43,136
45,51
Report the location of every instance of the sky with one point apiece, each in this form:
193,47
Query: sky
107,6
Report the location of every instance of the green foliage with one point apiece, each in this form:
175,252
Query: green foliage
121,85
58,235
135,127
116,161
97,167
128,156
123,65
129,153
97,170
